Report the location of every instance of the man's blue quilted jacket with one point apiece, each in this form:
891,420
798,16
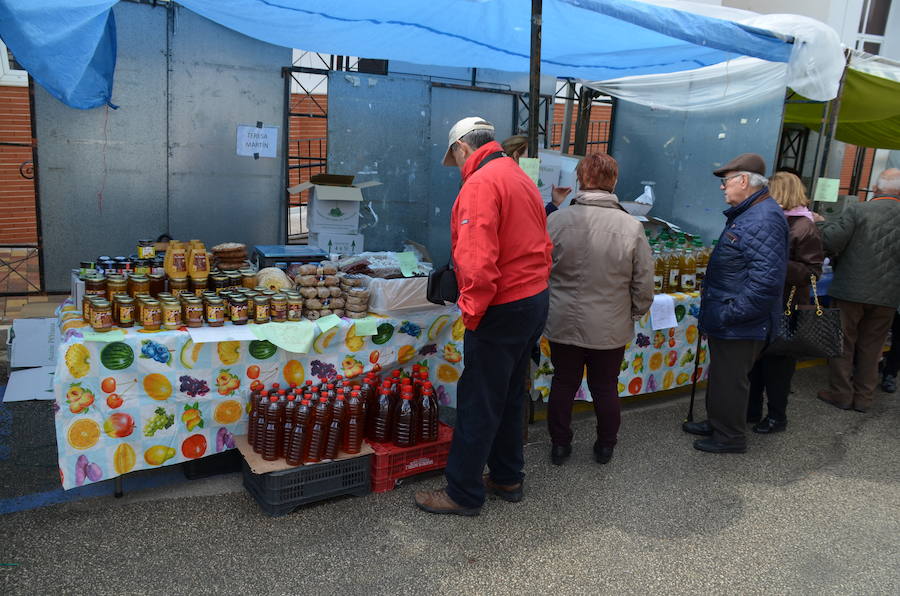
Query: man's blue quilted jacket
745,277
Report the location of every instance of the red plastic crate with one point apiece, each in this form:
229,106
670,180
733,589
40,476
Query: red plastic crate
391,463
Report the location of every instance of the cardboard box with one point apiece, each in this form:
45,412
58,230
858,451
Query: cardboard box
343,244
260,466
334,202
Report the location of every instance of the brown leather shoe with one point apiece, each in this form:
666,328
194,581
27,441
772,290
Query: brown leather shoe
829,399
511,493
438,501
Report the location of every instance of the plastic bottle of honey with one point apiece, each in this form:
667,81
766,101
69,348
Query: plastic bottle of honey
674,269
260,422
290,407
176,262
198,263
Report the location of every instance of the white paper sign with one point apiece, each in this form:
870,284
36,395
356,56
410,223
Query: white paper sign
33,343
227,332
662,312
253,141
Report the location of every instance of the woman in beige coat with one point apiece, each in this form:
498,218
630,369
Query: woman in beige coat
601,282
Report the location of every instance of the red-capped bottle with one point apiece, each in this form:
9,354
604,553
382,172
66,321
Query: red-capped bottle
299,442
251,419
355,428
260,422
273,390
336,428
319,433
428,417
290,407
272,432
382,416
406,421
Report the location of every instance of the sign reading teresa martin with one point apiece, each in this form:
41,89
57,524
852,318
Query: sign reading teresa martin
253,141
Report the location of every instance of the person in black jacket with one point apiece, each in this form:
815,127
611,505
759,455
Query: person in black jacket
741,298
772,373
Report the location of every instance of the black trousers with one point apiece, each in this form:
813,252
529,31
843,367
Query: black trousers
892,360
771,374
490,396
727,392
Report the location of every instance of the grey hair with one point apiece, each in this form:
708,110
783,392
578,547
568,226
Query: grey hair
477,138
755,180
889,184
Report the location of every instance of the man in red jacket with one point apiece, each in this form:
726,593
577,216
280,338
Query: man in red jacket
501,255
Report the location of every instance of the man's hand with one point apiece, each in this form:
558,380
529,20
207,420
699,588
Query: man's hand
817,217
558,194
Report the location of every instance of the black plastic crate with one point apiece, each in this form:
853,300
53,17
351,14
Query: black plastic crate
226,462
281,492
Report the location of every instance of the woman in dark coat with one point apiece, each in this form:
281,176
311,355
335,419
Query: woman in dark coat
773,373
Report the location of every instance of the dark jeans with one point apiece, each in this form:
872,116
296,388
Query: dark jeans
569,363
727,392
490,397
772,374
892,359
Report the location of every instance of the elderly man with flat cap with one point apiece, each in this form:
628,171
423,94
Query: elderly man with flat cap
741,298
501,255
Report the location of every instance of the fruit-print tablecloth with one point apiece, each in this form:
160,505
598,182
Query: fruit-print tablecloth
155,399
654,360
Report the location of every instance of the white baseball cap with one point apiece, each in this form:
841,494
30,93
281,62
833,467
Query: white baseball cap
461,129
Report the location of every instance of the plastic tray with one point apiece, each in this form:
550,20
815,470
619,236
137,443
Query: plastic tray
278,493
390,464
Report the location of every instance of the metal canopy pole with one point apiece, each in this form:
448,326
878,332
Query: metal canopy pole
829,127
567,121
534,86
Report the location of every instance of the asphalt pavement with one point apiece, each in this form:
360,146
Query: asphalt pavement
814,510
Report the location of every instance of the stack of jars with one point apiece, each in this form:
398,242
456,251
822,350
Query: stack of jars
155,302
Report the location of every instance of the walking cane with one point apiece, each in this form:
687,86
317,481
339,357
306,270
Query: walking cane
690,413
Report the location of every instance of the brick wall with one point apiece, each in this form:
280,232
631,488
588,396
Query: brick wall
847,170
18,218
598,129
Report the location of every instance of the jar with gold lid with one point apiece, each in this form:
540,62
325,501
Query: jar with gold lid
138,284
95,285
278,306
215,312
248,279
178,286
219,282
171,314
115,285
261,309
295,308
234,279
124,311
193,312
157,284
101,316
198,285
151,314
238,310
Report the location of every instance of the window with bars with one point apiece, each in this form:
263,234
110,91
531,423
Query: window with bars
872,25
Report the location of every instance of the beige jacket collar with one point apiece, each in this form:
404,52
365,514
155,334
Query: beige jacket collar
597,198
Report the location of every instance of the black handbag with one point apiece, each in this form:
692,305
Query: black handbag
442,287
807,331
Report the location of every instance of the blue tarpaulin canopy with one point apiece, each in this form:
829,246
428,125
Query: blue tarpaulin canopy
69,46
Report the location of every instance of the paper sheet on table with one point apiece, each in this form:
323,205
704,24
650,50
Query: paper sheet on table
531,166
33,343
228,332
408,263
662,312
30,383
367,326
293,336
326,323
109,336
827,190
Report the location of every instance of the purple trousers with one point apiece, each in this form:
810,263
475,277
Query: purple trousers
569,363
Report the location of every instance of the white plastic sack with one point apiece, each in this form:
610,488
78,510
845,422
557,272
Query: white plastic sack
388,296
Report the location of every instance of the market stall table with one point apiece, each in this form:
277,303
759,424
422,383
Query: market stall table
131,400
655,360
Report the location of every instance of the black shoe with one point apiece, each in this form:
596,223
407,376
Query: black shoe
754,419
711,446
770,425
602,454
704,428
889,383
560,453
